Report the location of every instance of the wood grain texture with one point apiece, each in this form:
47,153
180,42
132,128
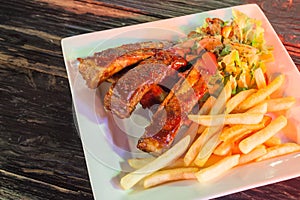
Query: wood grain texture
40,151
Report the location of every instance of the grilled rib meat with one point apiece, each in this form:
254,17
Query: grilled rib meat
127,92
103,65
155,95
173,111
167,121
167,57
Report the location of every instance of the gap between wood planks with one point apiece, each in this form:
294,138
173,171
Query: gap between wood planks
20,177
99,9
46,36
24,64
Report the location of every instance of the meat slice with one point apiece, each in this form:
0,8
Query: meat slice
155,95
173,111
167,121
127,92
104,64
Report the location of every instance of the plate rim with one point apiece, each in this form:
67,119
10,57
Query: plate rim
65,41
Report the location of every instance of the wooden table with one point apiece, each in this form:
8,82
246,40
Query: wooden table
41,155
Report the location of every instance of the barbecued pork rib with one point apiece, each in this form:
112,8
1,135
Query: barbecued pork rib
167,121
173,111
104,64
155,95
127,92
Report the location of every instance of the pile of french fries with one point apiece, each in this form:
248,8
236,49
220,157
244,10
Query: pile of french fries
227,132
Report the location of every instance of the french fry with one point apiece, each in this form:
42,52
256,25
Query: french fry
279,150
137,163
207,106
260,108
178,163
260,78
201,129
225,147
280,104
207,149
223,97
273,141
249,143
221,119
218,168
211,139
235,149
261,94
194,149
197,145
160,162
232,131
212,135
168,175
213,159
192,132
240,128
237,99
194,127
252,155
207,133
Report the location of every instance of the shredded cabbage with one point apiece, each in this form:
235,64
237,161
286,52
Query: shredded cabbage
244,48
249,52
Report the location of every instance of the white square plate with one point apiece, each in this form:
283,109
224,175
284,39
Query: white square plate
106,146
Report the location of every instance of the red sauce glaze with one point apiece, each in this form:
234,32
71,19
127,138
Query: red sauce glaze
178,63
200,89
176,113
155,96
171,126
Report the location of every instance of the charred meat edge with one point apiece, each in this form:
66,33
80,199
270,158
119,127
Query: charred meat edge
102,65
128,91
167,121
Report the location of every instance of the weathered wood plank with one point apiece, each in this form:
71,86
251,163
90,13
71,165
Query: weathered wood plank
40,151
39,144
20,187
